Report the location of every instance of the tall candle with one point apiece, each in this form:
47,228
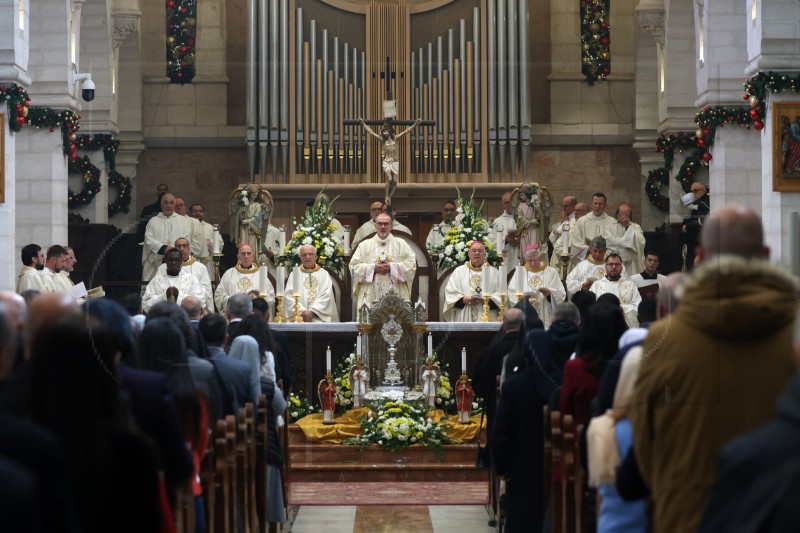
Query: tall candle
263,280
358,345
463,360
499,245
296,280
282,240
565,239
430,344
521,277
346,240
328,358
485,279
280,280
215,241
503,278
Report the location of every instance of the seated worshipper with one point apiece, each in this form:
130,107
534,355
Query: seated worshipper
114,472
173,285
265,364
367,228
163,349
234,375
190,264
382,264
542,286
317,299
29,277
597,344
590,269
438,231
624,289
56,255
160,235
609,439
626,238
245,277
148,393
464,291
516,445
649,281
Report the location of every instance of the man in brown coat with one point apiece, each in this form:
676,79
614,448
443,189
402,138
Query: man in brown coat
714,369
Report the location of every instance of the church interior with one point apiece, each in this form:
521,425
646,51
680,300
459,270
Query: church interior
418,102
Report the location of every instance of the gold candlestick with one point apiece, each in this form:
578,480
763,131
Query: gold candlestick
486,317
216,258
279,316
296,317
502,307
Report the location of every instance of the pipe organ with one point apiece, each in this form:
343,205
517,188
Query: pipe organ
470,82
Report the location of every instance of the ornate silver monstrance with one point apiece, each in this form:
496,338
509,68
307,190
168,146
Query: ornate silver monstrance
392,332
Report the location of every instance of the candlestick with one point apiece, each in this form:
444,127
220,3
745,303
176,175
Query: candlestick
279,310
358,345
430,344
296,281
463,360
328,359
280,280
282,240
347,240
263,280
296,316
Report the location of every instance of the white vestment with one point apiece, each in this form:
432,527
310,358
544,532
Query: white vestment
198,270
205,256
628,243
196,241
51,284
556,236
316,294
545,278
585,229
628,295
29,279
368,228
156,290
161,231
436,236
271,241
372,287
584,270
507,222
465,281
641,283
238,279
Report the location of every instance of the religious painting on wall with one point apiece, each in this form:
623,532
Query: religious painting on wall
3,159
786,147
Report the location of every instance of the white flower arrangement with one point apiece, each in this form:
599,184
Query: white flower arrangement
469,226
315,228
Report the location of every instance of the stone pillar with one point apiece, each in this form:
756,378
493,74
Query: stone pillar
771,35
97,210
9,251
734,175
99,115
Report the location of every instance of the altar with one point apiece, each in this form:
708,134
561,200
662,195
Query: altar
308,343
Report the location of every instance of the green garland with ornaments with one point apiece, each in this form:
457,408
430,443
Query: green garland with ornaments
18,101
708,119
181,35
595,40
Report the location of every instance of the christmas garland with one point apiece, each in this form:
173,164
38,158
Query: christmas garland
18,105
595,40
181,33
109,144
656,179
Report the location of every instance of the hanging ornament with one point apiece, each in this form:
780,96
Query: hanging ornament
758,125
707,157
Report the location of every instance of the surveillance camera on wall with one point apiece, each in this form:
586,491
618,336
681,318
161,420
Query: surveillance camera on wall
87,88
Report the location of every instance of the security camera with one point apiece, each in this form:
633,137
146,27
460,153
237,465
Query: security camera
87,88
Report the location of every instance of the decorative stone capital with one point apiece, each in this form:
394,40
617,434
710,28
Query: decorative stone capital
124,26
653,21
76,5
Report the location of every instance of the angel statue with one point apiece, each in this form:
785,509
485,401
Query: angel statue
391,161
250,212
532,206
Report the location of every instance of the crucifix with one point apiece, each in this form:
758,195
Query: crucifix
388,135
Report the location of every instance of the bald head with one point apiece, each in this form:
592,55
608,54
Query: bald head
732,230
15,309
193,307
44,310
512,319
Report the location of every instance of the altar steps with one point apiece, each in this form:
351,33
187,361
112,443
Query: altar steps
314,462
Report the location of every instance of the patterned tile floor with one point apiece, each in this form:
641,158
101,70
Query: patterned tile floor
395,493
389,519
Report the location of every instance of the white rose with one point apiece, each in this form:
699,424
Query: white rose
294,414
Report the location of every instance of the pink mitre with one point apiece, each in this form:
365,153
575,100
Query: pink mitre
532,247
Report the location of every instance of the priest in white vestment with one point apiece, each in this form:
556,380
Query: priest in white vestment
174,284
438,231
542,285
56,255
29,277
382,264
190,264
466,288
271,248
590,269
624,289
246,277
197,211
317,300
160,235
367,228
506,223
627,239
590,226
196,239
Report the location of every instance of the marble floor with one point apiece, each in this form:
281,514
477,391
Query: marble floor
389,519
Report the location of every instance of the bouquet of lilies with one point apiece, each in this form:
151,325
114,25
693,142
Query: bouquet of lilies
468,226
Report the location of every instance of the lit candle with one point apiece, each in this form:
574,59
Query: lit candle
296,280
263,280
282,240
430,344
280,280
346,240
358,345
565,239
485,279
463,360
215,241
328,359
520,281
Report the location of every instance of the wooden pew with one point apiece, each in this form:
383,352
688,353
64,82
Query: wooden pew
184,509
233,494
547,459
261,464
208,483
556,437
568,466
224,506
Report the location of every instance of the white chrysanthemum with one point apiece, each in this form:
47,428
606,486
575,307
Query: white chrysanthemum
461,256
308,240
294,414
328,250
